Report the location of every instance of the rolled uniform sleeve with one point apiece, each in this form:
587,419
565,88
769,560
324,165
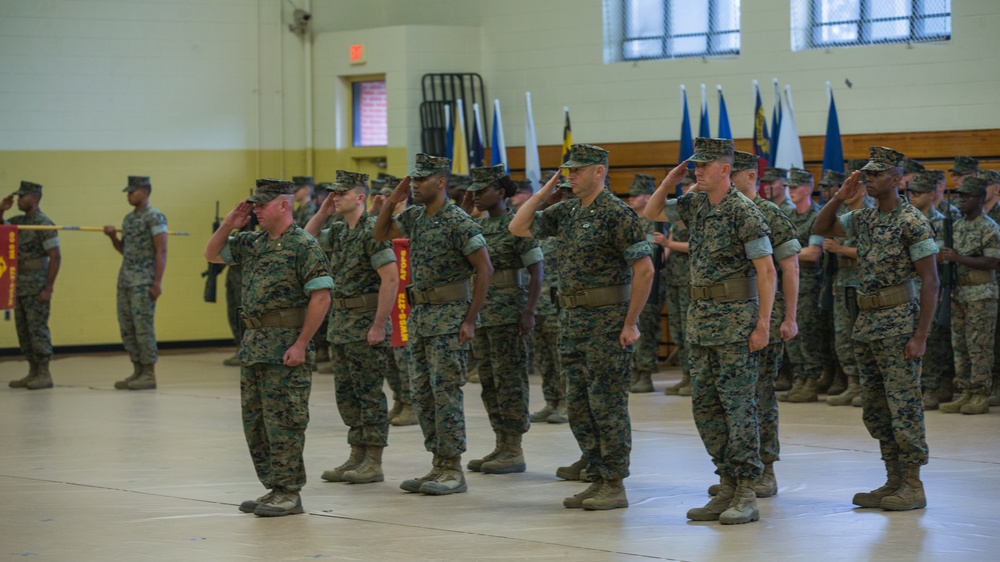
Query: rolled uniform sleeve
473,244
758,248
922,249
815,240
787,249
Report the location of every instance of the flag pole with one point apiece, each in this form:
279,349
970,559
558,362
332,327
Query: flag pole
83,228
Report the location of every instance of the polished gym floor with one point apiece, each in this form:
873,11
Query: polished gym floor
91,473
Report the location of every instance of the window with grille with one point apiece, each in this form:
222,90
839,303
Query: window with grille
371,123
665,29
847,23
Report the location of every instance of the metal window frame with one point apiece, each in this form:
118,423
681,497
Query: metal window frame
712,36
864,26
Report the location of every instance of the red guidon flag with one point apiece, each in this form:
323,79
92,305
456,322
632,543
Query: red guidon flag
401,308
8,266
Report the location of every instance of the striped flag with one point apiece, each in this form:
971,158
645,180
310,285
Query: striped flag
567,136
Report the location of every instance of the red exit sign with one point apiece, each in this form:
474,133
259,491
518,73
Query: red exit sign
357,54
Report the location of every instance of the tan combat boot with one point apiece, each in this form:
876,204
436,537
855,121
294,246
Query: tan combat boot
475,465
718,504
643,383
397,407
561,415
280,503
510,459
685,390
233,361
44,378
406,416
414,484
845,398
23,382
610,496
136,370
807,393
369,469
146,379
910,494
979,402
674,389
767,485
955,406
544,413
894,477
352,462
931,401
743,508
576,501
449,480
572,472
839,382
797,385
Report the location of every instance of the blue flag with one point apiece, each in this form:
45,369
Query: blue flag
477,151
704,130
833,150
724,131
449,133
761,138
775,124
498,151
687,143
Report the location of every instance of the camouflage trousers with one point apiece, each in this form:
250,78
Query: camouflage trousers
843,329
136,312
677,306
234,301
546,344
973,327
438,367
939,360
31,319
397,374
357,378
647,349
724,402
768,365
275,402
598,373
890,395
805,351
503,374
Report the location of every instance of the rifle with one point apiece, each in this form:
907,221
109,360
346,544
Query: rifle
942,317
654,290
214,269
829,271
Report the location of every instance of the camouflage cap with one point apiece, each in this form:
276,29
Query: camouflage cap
744,161
302,181
774,174
547,175
882,158
923,182
798,176
965,165
486,176
938,175
137,182
268,189
565,185
642,184
524,186
427,165
992,177
459,181
324,186
973,186
911,166
855,164
27,187
581,155
831,179
377,185
689,177
710,150
347,181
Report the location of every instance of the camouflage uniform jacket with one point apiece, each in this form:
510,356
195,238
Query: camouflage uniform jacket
303,213
277,274
848,276
787,206
550,281
597,245
888,244
439,245
33,244
978,237
936,220
139,254
994,212
355,257
784,243
945,207
504,304
804,226
677,269
725,238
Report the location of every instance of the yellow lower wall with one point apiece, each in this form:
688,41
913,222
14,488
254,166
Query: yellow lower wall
85,188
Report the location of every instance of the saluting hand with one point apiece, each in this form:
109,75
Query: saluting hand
674,176
401,193
7,203
238,217
851,186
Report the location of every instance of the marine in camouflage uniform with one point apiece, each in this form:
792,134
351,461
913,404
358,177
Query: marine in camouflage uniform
647,349
786,247
773,184
805,351
143,246
365,280
894,243
600,306
938,365
545,338
446,247
38,260
505,321
732,295
976,252
304,207
286,283
676,276
992,210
